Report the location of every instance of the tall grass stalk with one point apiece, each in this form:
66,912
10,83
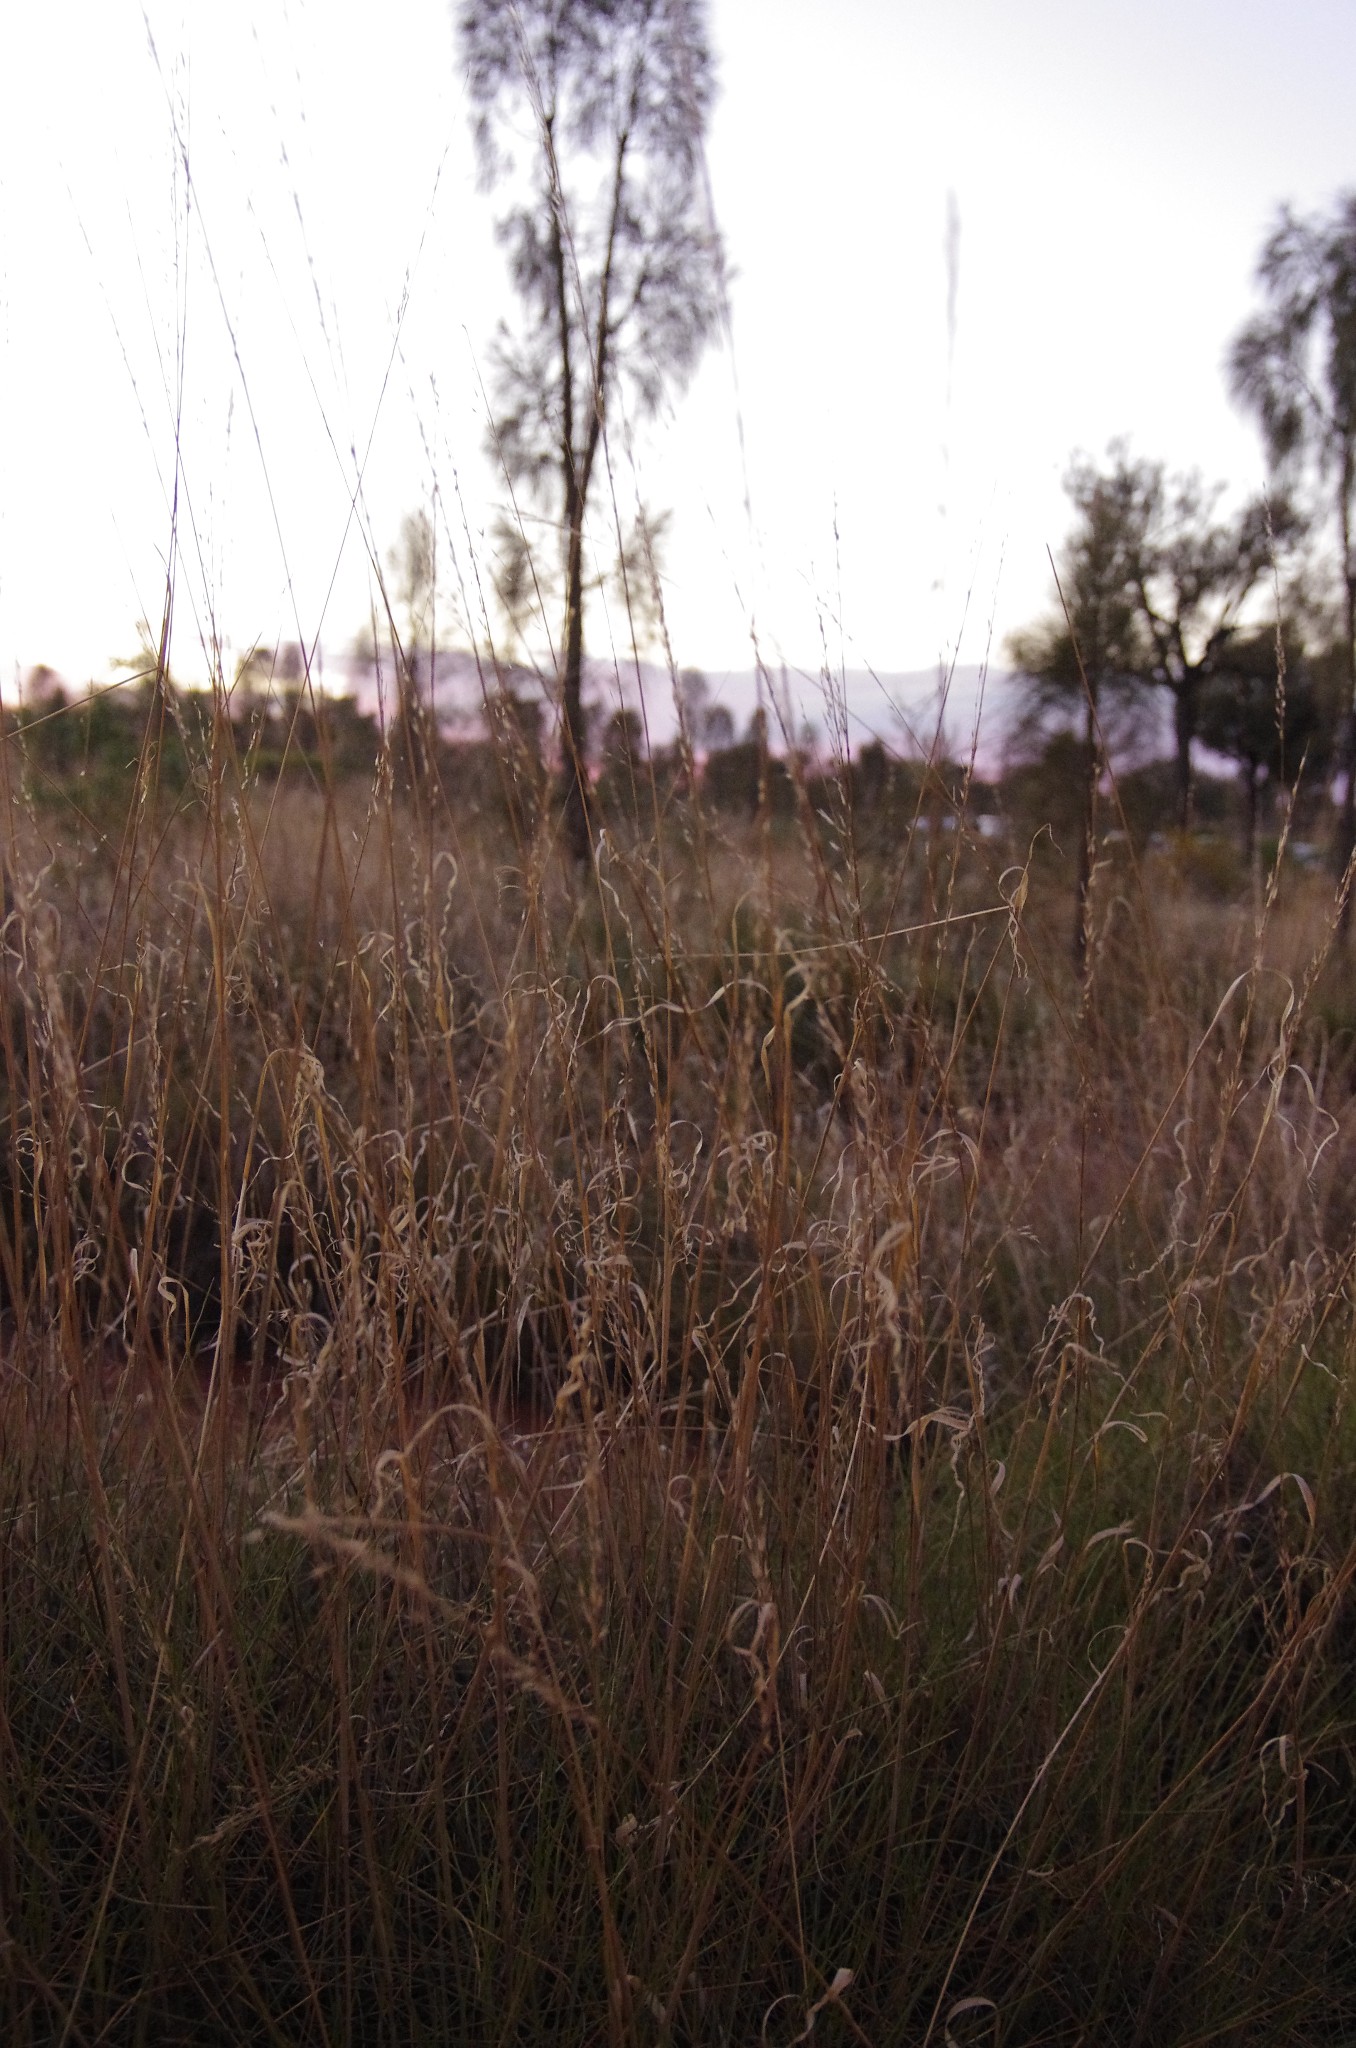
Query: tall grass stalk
668,1457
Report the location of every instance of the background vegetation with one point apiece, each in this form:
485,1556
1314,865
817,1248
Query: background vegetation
633,1405
671,1454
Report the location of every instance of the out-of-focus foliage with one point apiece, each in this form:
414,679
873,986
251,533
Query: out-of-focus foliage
1293,366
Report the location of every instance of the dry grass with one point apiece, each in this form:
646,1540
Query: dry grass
639,1461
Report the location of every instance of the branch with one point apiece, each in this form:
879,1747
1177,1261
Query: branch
601,357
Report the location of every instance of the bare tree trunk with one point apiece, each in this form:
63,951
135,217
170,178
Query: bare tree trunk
1087,841
574,765
415,724
1249,812
577,467
1182,708
1346,842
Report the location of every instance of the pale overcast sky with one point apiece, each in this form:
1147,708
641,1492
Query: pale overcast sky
330,283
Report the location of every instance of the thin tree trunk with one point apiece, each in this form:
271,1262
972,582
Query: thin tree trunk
577,467
1347,834
1249,813
574,767
1087,841
414,720
1183,724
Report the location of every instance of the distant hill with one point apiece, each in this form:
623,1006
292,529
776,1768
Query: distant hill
907,710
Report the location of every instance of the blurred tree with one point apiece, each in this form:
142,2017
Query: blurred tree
290,664
514,726
610,250
1263,707
623,763
718,726
872,776
148,666
731,776
515,722
413,565
624,737
1048,788
636,577
708,724
254,671
692,694
1091,652
1193,574
252,698
1294,366
515,582
744,775
168,735
42,691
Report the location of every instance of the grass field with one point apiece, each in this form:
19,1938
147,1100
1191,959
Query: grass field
710,1453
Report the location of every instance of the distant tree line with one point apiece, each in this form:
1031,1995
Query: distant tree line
1236,630
101,749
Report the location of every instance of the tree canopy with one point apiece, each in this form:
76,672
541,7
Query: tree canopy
1193,574
1152,587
